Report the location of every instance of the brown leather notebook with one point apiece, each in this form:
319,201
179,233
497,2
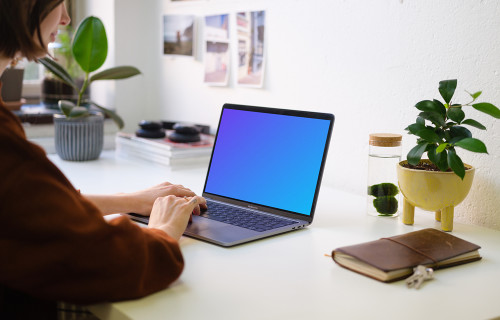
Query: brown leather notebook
391,259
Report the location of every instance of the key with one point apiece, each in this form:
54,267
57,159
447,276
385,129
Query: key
420,274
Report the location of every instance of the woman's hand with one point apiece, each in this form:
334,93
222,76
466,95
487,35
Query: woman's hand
141,202
171,214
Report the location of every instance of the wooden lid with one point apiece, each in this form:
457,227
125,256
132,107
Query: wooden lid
385,139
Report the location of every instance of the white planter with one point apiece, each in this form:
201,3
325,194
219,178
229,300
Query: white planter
79,139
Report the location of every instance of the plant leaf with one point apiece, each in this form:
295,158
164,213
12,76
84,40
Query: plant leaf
456,164
442,147
439,158
66,106
58,71
456,114
428,135
431,106
474,123
459,133
421,121
475,95
471,144
415,154
78,112
90,44
113,115
447,89
434,117
487,108
442,108
416,127
116,73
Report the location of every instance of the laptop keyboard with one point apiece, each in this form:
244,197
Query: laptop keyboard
243,218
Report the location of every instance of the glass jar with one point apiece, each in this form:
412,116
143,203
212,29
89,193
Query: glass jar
383,198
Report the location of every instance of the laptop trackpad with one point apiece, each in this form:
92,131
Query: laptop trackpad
203,228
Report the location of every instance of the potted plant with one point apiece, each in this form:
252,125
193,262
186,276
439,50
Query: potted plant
79,132
12,85
442,181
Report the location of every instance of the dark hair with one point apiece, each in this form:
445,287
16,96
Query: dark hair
19,21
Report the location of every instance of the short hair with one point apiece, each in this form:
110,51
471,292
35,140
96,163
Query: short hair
19,21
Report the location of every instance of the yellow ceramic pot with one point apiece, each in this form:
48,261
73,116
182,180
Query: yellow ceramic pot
433,191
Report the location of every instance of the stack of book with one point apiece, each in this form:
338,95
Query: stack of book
164,151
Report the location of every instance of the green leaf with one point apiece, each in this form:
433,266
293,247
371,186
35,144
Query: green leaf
447,89
456,164
474,123
78,112
487,108
428,135
58,71
416,127
439,157
442,108
442,147
475,95
415,154
90,44
456,114
471,144
116,118
116,73
430,106
421,121
434,117
459,132
66,106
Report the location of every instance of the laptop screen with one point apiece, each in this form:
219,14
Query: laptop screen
269,159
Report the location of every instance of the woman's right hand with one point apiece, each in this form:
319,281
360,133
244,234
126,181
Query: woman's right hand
171,214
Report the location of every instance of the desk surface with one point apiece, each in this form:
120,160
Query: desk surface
288,276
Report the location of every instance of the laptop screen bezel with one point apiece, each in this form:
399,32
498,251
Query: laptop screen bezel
288,112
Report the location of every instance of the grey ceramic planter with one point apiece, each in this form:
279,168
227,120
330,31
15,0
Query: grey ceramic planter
79,139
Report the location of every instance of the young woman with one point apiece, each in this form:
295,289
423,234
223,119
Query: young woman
55,244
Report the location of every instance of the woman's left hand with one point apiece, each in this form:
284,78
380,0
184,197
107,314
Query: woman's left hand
142,201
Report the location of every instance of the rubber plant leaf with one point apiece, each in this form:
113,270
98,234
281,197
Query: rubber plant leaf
456,114
66,106
447,89
90,44
113,115
59,72
116,73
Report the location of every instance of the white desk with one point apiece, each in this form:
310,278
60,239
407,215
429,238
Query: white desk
288,276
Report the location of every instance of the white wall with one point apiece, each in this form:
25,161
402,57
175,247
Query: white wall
367,62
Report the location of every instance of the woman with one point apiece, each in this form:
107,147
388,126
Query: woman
54,242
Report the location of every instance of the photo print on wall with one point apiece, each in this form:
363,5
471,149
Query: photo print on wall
251,26
178,34
217,54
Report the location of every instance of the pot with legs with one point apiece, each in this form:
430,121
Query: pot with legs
433,191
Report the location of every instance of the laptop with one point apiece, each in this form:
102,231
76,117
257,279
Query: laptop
264,174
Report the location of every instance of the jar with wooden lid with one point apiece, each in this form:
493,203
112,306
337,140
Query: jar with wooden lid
384,154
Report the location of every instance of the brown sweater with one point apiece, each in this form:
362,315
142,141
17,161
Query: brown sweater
55,244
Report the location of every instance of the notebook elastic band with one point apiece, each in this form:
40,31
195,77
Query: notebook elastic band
413,249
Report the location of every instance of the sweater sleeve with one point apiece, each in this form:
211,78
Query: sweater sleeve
56,245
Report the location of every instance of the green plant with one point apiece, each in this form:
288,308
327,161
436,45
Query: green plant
439,128
89,49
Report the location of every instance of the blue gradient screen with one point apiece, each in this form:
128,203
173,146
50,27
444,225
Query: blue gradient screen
268,159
